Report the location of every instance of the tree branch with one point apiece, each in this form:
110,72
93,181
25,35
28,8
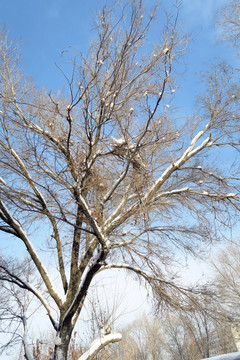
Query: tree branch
99,344
23,236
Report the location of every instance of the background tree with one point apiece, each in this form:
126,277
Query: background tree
15,307
226,267
229,19
104,176
143,339
200,333
177,335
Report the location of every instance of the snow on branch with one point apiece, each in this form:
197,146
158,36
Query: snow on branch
128,242
217,196
21,234
80,291
174,166
99,344
173,192
120,207
192,191
98,232
153,193
27,354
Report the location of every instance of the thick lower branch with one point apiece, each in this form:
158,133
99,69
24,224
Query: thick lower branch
80,295
99,344
20,233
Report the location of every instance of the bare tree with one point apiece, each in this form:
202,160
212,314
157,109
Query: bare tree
229,20
196,334
226,267
104,176
15,308
143,339
10,319
226,278
175,335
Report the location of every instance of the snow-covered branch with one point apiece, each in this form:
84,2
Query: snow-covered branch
173,192
82,289
27,354
45,210
117,244
99,344
152,194
23,236
190,152
193,191
99,234
119,208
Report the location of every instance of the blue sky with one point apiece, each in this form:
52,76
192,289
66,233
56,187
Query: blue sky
48,27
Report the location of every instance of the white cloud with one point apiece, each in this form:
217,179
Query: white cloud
201,11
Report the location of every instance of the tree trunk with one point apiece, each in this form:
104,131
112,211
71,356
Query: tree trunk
62,343
61,351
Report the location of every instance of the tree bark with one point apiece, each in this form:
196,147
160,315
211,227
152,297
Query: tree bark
62,342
